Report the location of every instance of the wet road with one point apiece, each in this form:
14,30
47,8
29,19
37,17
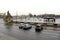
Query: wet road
14,31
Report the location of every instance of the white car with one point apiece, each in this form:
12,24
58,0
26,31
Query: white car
25,26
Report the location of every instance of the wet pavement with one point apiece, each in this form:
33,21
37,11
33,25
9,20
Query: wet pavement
14,31
6,37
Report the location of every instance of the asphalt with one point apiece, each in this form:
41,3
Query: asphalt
12,32
6,37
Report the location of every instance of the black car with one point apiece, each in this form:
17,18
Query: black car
38,28
21,26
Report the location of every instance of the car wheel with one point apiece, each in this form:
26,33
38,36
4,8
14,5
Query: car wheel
25,28
20,27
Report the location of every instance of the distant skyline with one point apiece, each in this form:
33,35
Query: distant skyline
24,7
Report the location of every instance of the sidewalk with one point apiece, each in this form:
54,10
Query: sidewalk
6,37
52,28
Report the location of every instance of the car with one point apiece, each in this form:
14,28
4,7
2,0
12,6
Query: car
21,26
25,26
38,28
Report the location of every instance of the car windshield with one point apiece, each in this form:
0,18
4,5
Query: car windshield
27,25
21,24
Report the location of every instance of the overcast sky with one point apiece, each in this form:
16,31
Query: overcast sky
30,6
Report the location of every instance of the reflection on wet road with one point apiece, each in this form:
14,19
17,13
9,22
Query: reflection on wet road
20,34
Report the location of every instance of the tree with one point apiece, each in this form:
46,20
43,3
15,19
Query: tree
30,15
34,15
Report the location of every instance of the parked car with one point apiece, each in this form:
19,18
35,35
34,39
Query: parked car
25,26
21,26
38,28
